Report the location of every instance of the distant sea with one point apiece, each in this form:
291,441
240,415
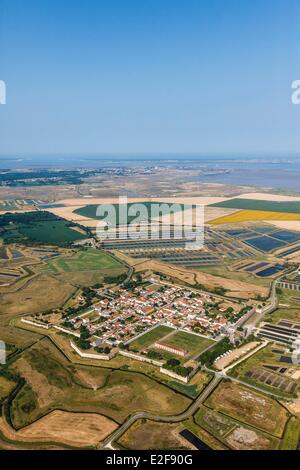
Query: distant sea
280,172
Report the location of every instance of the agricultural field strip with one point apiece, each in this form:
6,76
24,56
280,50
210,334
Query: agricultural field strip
291,207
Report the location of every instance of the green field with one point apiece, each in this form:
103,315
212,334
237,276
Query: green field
148,338
90,210
87,260
291,207
38,227
292,434
190,342
52,232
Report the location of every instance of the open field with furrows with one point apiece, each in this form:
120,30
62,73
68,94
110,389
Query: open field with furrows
145,434
233,433
73,429
254,215
50,385
192,277
86,278
249,407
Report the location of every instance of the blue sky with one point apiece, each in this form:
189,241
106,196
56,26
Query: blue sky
122,76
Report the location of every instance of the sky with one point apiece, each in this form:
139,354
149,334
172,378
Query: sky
152,76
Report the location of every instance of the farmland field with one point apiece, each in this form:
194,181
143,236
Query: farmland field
74,429
38,227
291,207
54,232
90,211
249,215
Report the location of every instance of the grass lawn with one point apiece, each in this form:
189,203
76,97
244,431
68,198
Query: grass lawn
87,260
190,342
151,337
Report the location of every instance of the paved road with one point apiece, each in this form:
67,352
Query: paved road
108,442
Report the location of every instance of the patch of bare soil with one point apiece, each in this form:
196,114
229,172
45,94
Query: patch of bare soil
246,439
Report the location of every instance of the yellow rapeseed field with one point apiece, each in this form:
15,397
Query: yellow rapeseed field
245,215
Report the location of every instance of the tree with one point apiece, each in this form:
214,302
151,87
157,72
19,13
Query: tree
173,362
84,333
82,343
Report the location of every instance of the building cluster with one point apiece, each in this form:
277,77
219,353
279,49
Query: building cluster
170,348
123,315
